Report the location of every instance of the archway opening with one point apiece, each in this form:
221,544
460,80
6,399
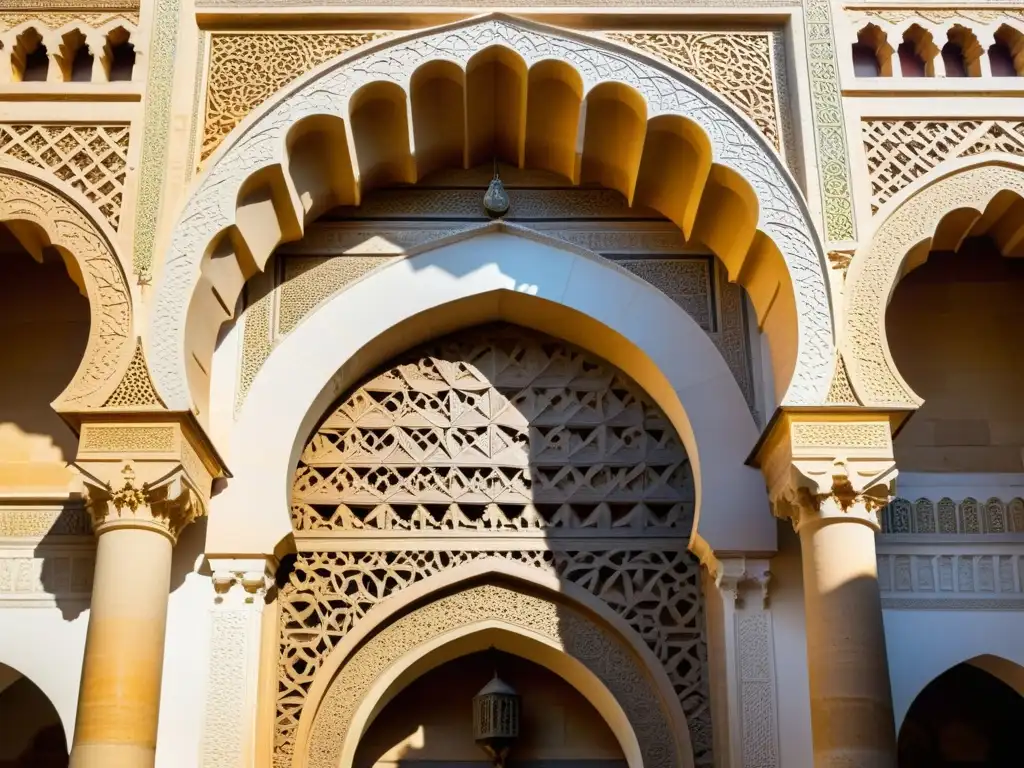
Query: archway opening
431,721
44,329
31,732
964,717
954,327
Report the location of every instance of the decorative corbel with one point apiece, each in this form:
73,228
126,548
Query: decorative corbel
244,580
736,575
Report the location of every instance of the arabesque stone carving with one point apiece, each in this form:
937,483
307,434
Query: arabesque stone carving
737,65
27,199
499,428
91,158
901,151
247,69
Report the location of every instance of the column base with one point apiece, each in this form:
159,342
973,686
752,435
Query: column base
112,756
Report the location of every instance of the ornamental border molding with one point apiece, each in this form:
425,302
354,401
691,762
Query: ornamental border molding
910,218
163,46
563,626
259,142
833,158
72,224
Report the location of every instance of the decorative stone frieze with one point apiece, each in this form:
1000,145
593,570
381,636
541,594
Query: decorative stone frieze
57,20
145,473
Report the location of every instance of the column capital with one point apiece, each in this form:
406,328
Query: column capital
735,576
827,465
242,580
146,470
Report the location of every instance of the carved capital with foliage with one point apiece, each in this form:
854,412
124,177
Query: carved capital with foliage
824,465
146,470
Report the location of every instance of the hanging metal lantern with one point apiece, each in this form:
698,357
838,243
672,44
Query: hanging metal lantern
496,719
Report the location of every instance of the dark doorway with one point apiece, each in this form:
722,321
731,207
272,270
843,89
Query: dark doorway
963,718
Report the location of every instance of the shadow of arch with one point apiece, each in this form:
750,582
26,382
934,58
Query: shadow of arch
589,654
965,716
972,196
31,731
763,228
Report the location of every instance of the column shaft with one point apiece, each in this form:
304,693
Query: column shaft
119,700
851,702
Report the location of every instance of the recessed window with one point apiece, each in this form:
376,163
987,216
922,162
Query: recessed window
865,62
911,63
953,59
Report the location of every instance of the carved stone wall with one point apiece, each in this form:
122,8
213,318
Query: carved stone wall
247,68
498,428
901,151
746,68
951,577
91,158
743,67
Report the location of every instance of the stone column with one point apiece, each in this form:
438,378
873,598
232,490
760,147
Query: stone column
144,485
831,474
742,662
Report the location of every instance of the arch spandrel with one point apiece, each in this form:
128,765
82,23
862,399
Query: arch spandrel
909,222
259,145
69,223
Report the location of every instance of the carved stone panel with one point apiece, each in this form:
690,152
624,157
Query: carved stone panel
498,428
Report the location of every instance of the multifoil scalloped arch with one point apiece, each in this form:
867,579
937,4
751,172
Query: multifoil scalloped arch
909,220
256,154
70,223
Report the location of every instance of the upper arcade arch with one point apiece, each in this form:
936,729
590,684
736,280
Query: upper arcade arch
978,195
613,117
43,212
498,272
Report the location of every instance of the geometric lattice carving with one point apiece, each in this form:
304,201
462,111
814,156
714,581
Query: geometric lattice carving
656,592
91,158
246,69
135,388
950,517
900,151
497,428
736,65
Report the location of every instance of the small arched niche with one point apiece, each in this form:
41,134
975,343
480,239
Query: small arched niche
420,727
964,717
31,732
